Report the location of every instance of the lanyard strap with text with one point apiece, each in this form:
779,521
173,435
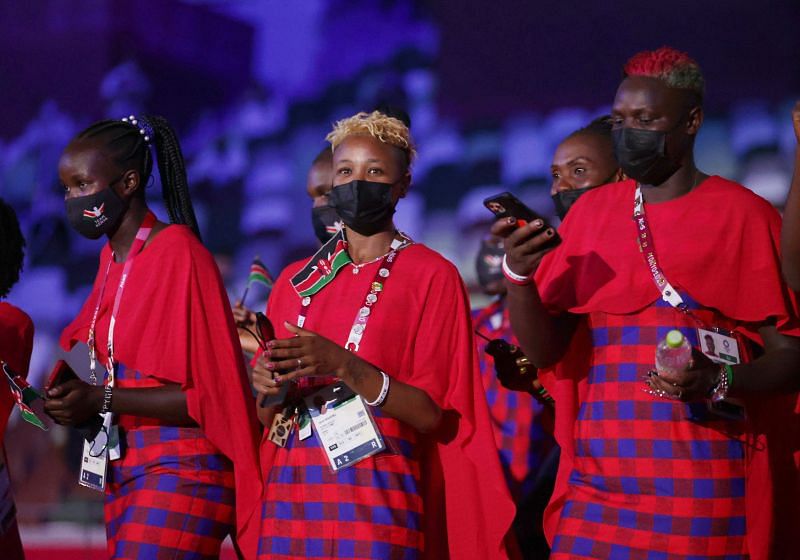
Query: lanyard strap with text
138,243
376,287
646,246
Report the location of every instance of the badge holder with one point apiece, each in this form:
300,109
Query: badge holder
344,426
721,347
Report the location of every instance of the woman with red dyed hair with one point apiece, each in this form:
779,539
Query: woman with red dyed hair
665,465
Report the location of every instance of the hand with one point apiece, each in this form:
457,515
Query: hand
73,402
694,384
263,378
525,246
305,354
514,370
796,121
243,317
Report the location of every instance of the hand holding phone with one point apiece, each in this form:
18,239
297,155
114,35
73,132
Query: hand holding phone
524,244
506,205
62,373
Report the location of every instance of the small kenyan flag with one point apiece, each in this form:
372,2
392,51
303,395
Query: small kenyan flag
24,395
322,267
260,274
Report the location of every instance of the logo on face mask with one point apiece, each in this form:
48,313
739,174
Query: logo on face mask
95,214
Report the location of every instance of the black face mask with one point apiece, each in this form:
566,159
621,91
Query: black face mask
326,222
642,155
95,214
489,263
563,200
364,206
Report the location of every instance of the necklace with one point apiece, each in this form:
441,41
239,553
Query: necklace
396,244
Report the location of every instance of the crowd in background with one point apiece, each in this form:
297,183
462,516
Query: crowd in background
247,164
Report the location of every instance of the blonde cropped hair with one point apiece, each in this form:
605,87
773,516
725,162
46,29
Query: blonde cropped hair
388,130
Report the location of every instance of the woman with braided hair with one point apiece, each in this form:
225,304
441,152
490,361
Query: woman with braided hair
16,344
185,473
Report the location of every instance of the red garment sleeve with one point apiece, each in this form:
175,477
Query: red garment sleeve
478,506
175,325
16,345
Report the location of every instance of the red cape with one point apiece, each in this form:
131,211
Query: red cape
421,334
175,325
720,244
16,345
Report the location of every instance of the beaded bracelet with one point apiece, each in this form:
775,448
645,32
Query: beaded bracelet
513,277
379,400
719,391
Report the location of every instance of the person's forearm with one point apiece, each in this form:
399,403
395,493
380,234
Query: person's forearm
544,338
790,233
403,402
774,372
167,403
248,341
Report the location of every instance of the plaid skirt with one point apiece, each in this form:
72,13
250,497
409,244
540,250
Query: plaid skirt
652,478
171,495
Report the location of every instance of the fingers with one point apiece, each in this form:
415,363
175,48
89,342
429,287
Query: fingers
537,243
285,343
523,233
503,227
294,329
297,373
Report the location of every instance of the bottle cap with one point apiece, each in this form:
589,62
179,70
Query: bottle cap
674,339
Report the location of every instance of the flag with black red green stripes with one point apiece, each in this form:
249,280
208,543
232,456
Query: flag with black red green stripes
322,267
259,273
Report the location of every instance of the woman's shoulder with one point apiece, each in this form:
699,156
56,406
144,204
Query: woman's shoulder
424,262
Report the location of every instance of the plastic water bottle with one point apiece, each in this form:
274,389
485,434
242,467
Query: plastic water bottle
673,354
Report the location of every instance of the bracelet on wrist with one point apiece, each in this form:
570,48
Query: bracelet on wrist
513,277
719,391
107,395
381,398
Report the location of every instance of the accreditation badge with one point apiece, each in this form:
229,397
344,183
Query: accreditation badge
721,347
344,426
95,457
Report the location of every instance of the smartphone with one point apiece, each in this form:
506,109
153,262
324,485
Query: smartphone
265,330
505,205
61,374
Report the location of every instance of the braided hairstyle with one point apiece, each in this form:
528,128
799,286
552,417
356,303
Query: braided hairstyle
11,248
128,144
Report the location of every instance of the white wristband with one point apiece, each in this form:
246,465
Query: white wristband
513,276
384,391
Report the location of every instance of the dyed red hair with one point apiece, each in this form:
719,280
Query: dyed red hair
673,67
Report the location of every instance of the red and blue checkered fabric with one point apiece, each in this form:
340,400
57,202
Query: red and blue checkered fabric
171,495
372,509
522,440
653,478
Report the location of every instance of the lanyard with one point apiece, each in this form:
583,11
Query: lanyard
376,288
646,246
136,247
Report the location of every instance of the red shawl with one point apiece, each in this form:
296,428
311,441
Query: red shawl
719,244
175,325
16,345
421,334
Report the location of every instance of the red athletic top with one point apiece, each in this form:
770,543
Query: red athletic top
175,325
420,333
720,244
